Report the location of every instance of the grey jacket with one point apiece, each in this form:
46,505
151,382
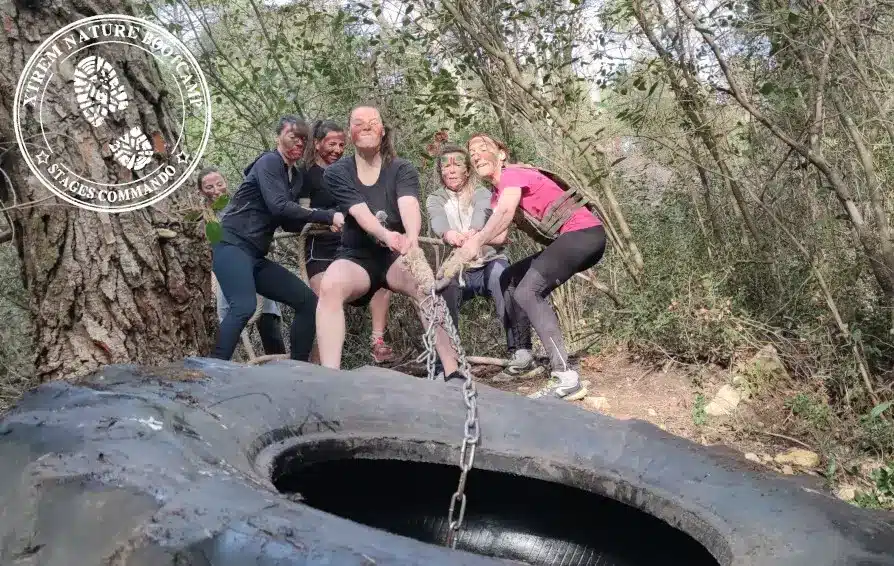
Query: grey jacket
481,211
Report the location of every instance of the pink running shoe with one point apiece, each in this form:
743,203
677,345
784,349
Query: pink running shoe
381,352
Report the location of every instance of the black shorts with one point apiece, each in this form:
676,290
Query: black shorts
320,252
316,266
376,263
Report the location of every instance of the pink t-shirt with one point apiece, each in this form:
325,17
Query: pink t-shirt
538,192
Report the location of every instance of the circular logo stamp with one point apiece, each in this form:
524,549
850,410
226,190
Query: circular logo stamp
88,119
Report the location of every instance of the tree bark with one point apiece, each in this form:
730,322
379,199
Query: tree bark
105,288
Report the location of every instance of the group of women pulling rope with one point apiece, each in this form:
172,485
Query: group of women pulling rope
370,200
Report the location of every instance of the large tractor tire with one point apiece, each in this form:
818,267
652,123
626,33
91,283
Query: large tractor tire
216,463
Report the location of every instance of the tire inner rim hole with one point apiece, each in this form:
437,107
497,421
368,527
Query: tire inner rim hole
508,516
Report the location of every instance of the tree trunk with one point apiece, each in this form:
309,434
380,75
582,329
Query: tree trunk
104,287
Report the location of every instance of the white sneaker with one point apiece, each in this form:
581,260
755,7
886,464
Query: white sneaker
563,385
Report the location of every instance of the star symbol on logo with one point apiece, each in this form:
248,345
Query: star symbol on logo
42,157
182,157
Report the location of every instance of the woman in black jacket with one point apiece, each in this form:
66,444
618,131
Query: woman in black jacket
267,199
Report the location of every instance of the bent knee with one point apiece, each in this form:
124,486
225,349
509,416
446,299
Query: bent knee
241,310
526,292
334,289
315,283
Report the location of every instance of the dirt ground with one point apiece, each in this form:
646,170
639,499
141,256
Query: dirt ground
668,396
622,388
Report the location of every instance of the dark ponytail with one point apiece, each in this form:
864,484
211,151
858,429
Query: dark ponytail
387,150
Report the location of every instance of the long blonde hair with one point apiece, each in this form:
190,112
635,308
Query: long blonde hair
467,191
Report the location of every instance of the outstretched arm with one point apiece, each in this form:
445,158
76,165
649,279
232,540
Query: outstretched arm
408,204
277,196
367,220
500,238
499,221
497,240
341,186
410,215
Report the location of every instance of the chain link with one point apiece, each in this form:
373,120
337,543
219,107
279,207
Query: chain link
437,313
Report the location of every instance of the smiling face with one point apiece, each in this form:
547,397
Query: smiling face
367,130
487,157
331,147
290,142
454,170
213,186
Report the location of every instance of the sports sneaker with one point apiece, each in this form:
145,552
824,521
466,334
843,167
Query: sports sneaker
522,362
381,352
563,385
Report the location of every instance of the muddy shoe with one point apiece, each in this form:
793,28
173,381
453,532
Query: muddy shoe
505,377
522,362
563,385
381,352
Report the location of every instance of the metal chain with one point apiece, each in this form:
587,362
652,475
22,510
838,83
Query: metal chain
437,312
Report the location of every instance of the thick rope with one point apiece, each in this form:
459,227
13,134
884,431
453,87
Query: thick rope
415,261
302,239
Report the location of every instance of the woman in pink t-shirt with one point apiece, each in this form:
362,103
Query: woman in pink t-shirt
526,284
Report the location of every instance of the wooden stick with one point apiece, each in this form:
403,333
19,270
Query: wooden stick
267,358
789,438
485,361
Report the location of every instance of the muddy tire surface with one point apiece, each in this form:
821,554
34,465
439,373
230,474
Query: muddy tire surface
138,466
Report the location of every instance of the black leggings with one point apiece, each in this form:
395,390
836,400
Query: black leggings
241,277
526,285
270,329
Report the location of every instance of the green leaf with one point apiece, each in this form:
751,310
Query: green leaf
767,88
877,411
213,232
221,203
192,215
652,89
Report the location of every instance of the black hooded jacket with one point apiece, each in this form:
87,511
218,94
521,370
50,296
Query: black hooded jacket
265,200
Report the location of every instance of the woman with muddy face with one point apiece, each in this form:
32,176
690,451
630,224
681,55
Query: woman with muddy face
325,147
457,211
526,284
212,184
379,192
266,200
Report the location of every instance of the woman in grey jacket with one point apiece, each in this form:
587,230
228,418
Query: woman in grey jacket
456,211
